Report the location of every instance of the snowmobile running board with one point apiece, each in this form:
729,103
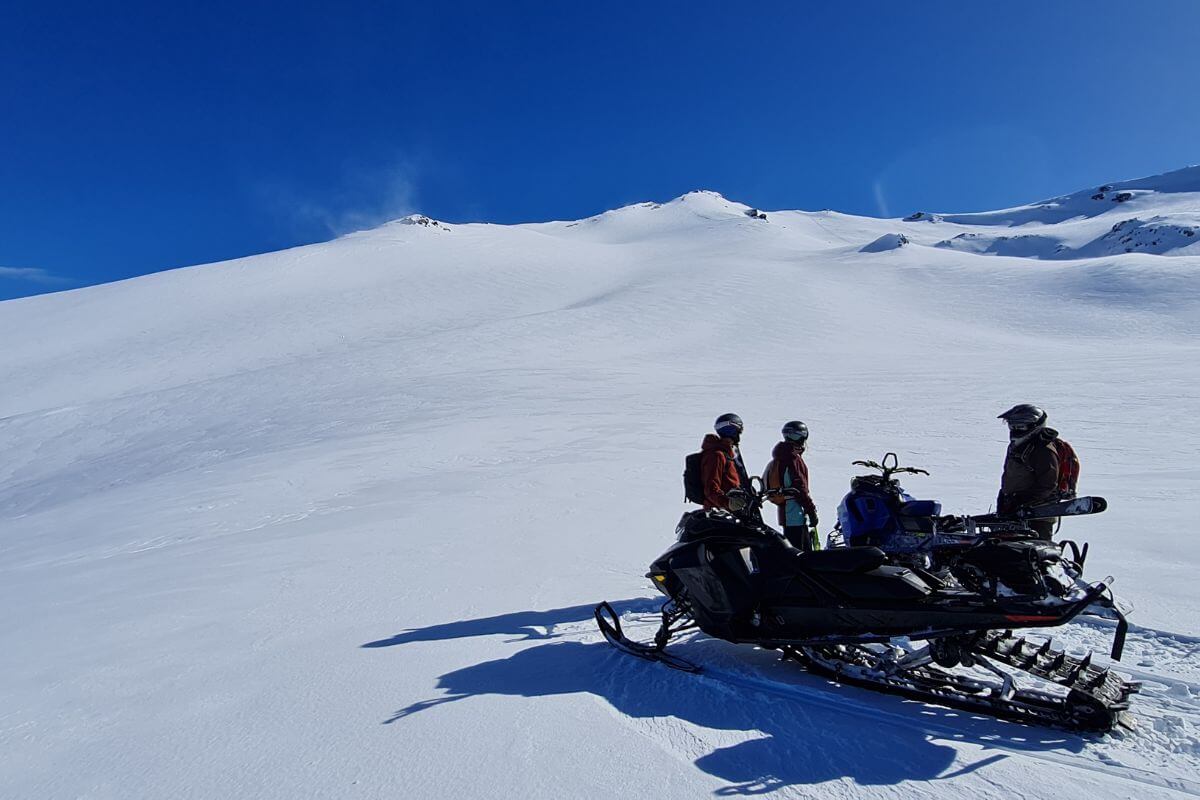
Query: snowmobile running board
1095,700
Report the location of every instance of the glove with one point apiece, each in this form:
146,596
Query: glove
812,520
737,499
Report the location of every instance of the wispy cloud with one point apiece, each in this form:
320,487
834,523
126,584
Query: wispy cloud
969,167
32,275
881,200
365,197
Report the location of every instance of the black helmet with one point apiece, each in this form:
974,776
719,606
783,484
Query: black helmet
795,431
1024,418
729,426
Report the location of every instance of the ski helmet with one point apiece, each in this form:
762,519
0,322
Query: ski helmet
1024,418
795,431
729,426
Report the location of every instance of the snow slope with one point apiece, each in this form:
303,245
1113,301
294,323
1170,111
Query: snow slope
330,522
1159,215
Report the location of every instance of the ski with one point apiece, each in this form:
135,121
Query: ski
1075,507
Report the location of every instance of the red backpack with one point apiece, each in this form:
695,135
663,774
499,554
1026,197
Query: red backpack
1068,466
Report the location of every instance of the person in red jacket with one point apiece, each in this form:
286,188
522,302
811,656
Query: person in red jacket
788,473
722,470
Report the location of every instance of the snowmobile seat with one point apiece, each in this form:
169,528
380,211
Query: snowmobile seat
921,508
843,559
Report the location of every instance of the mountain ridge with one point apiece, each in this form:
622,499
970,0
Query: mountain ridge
1156,215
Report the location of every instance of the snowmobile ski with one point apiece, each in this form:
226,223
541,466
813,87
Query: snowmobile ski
610,625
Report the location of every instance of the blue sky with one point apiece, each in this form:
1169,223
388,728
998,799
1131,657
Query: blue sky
138,137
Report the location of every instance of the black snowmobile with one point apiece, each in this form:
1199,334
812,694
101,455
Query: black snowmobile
943,636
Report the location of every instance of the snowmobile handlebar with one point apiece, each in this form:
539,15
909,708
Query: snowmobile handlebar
751,495
889,468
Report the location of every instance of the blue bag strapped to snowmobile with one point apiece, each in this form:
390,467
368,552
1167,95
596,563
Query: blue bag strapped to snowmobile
883,516
921,508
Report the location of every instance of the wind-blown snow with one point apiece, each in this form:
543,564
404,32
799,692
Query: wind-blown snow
330,522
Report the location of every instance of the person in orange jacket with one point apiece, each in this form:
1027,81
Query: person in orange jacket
788,473
721,467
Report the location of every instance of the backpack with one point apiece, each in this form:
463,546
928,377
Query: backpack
772,480
1068,467
693,479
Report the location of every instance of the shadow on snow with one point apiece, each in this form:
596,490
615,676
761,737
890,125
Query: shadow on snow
522,624
796,742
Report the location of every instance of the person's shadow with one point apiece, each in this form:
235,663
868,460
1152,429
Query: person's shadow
793,741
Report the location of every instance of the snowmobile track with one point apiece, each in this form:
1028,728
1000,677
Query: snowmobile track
845,704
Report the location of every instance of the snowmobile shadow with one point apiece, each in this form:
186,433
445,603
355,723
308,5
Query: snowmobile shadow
789,741
523,624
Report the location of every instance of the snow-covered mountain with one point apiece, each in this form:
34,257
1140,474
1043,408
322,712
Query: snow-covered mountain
330,522
1159,215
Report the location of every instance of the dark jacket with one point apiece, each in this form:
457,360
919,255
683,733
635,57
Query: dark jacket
1030,472
787,464
718,470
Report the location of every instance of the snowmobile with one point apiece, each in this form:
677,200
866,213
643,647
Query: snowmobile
942,636
989,553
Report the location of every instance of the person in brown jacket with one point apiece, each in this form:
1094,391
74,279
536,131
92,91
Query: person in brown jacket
721,467
1030,466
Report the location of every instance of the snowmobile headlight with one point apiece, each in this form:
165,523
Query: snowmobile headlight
659,577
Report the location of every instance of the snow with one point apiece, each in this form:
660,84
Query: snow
1159,215
330,522
889,241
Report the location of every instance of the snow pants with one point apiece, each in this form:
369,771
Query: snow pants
1044,527
800,537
